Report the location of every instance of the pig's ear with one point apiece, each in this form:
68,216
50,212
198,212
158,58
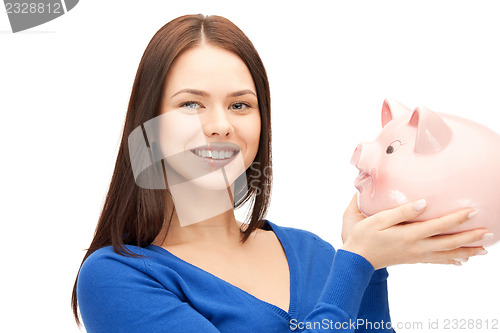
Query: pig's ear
392,109
432,132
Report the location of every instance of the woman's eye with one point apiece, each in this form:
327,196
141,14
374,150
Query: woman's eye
239,106
191,105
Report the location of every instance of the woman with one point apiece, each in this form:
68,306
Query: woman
168,254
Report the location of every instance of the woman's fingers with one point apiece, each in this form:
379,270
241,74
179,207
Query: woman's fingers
385,239
459,255
440,225
450,242
388,218
457,262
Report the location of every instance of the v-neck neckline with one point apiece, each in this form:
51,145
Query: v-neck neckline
291,271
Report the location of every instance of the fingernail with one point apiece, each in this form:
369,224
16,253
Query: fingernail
419,205
457,263
487,236
472,214
462,259
481,252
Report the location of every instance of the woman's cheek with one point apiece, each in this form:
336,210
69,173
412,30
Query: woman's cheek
179,132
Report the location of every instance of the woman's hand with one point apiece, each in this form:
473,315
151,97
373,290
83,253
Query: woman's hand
384,240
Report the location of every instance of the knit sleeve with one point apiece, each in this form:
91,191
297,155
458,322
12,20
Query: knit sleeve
374,308
115,296
347,291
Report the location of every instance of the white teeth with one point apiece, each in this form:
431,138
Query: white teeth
216,155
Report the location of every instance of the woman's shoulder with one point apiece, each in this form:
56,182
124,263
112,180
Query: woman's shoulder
108,262
130,265
129,253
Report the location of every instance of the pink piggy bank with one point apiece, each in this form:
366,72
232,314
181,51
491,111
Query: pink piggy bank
452,162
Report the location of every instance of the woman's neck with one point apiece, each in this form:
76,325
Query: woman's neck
201,215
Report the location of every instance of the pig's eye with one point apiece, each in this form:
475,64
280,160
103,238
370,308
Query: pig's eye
393,147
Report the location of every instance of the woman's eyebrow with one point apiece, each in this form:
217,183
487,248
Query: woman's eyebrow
241,93
205,94
191,91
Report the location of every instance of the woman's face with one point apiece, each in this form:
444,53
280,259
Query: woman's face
210,124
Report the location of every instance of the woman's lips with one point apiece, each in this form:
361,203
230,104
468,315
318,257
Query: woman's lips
216,154
214,159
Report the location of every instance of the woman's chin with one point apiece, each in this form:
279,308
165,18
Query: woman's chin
215,181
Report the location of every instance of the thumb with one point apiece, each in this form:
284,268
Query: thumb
352,213
353,208
406,212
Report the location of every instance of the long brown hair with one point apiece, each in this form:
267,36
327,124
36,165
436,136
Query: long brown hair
134,215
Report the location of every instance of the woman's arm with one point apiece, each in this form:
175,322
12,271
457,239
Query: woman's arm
374,308
348,299
339,304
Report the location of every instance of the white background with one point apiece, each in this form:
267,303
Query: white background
64,89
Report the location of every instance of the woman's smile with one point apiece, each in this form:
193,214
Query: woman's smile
217,154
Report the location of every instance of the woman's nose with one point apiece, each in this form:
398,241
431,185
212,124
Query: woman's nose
217,123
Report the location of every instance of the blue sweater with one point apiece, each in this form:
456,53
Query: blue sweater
330,291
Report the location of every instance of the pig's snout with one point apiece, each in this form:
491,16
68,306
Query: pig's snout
356,155
364,158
